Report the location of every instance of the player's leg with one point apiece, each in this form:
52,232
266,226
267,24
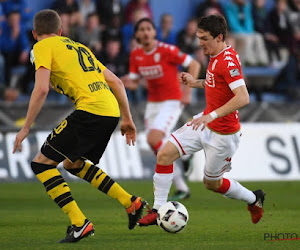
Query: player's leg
182,190
92,145
100,180
219,150
63,144
56,187
183,141
234,190
155,139
162,181
59,191
161,120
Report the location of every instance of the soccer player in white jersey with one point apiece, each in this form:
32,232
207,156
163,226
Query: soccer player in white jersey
216,130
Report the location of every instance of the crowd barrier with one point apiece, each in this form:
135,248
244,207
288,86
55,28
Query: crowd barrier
268,151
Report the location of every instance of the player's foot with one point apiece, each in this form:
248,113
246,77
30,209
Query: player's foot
256,209
149,219
135,211
180,195
75,234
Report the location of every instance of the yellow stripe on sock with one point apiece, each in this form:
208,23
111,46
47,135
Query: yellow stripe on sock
59,190
84,170
46,175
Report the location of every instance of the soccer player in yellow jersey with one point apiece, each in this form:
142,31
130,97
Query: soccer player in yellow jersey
72,70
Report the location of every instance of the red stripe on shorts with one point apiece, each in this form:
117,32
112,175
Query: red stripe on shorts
178,144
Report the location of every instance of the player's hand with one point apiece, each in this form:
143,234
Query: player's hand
23,133
128,84
187,79
203,120
128,129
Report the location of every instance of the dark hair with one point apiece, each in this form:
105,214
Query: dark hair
46,22
92,14
145,19
214,24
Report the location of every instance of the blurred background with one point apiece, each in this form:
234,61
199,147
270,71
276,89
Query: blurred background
265,33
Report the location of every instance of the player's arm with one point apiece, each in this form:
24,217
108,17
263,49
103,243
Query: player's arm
37,99
190,81
240,99
117,86
193,70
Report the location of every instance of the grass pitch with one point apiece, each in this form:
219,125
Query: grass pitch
30,220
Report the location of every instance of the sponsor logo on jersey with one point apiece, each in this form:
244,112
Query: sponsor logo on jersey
151,72
139,58
228,58
214,64
156,57
230,64
227,53
234,72
210,79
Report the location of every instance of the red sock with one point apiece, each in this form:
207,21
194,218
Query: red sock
156,147
161,169
224,187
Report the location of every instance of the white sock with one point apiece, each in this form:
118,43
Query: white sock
238,192
178,179
162,184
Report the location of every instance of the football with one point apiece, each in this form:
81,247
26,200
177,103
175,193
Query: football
172,217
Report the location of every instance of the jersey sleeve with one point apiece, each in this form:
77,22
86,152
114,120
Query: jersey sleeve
176,56
232,72
133,67
42,56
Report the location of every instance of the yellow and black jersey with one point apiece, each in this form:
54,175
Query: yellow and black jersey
76,73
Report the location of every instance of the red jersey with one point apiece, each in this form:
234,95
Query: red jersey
223,74
160,68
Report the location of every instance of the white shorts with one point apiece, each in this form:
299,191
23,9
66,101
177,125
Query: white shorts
162,116
218,148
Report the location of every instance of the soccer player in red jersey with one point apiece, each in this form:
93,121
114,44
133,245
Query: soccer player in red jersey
158,63
216,130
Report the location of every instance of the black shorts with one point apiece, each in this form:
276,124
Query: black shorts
80,135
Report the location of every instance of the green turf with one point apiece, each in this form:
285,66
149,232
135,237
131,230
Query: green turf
30,220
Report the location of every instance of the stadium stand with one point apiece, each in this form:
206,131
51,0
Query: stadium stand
260,80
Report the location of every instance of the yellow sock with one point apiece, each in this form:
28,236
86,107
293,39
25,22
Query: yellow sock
103,182
59,191
117,192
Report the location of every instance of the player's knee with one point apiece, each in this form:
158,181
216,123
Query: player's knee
152,141
67,164
211,185
72,165
40,158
